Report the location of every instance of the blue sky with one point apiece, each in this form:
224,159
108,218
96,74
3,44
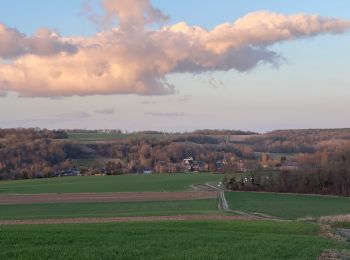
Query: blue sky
68,18
311,89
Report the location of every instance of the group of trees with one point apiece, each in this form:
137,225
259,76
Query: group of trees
140,154
298,141
222,132
31,153
323,156
326,171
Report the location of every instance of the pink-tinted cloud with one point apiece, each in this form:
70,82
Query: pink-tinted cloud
45,42
132,15
165,114
106,111
133,59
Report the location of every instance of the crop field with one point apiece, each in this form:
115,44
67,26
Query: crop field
165,240
95,136
123,183
110,137
119,217
288,206
109,209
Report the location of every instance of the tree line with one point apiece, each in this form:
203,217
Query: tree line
326,171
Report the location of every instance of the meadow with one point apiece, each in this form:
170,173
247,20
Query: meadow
90,137
109,209
122,183
288,206
165,240
95,136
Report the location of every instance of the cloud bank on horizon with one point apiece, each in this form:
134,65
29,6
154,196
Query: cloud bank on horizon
134,59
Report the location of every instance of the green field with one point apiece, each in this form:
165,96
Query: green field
123,183
288,206
109,137
165,240
95,136
109,209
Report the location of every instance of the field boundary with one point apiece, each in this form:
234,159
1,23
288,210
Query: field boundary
11,199
126,219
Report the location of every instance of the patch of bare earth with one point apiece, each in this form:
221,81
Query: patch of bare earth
203,187
104,197
124,219
334,255
328,232
335,219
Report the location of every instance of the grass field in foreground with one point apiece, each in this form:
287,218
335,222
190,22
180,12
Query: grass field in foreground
165,240
109,209
288,206
123,183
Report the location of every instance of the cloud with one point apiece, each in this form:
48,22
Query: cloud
135,59
108,111
146,102
184,98
212,81
132,15
45,42
74,115
165,114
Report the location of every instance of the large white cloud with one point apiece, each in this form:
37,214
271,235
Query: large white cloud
132,59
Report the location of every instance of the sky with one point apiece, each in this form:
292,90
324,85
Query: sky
170,66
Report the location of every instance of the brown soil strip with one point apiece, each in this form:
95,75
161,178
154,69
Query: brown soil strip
334,255
124,219
104,197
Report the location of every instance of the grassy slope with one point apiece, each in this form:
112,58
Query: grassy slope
288,206
105,137
164,240
95,136
124,183
110,209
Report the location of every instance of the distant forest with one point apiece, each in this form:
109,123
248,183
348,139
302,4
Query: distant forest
316,161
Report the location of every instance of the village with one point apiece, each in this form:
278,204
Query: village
232,164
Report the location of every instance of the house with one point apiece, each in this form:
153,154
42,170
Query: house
147,171
188,161
289,166
265,159
161,167
2,166
200,166
240,167
68,172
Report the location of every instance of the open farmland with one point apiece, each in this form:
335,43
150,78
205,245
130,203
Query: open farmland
288,206
109,209
133,195
123,183
95,136
89,137
155,217
8,199
165,240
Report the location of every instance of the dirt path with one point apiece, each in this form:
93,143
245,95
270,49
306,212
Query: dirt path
224,206
104,197
124,219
